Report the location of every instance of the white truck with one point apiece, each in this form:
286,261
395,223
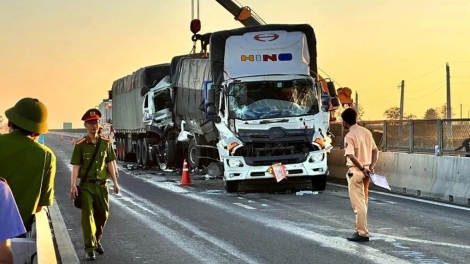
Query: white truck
254,103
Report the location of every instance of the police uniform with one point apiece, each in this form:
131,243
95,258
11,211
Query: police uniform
29,167
94,191
360,143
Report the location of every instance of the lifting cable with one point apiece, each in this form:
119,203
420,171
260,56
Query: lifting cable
195,25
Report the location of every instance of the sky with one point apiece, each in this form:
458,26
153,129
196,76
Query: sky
68,53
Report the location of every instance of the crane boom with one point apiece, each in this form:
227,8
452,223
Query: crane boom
241,13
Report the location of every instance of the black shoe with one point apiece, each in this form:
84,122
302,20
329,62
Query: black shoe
358,238
90,256
99,249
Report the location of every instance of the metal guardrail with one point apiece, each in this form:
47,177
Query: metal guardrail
412,136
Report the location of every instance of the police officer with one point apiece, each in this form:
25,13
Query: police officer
361,152
28,167
94,191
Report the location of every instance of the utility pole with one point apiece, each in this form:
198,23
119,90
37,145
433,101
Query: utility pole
449,108
357,103
460,111
450,137
402,99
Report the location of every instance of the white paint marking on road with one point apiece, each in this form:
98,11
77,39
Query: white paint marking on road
241,198
412,199
421,241
337,243
265,205
200,251
245,206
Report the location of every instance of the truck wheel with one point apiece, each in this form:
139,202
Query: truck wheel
319,183
122,149
124,155
231,186
138,152
145,153
118,149
193,154
169,153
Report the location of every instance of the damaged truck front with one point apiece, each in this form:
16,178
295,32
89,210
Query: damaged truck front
266,104
251,110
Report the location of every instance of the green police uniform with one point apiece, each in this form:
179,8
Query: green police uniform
94,191
32,185
29,167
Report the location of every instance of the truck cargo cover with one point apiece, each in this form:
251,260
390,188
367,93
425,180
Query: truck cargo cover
218,41
127,101
187,77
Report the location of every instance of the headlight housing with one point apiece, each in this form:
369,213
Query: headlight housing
234,163
317,157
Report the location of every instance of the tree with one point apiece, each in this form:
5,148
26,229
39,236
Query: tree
392,113
431,113
442,111
340,111
410,116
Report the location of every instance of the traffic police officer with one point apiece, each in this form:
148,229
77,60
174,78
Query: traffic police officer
94,191
361,152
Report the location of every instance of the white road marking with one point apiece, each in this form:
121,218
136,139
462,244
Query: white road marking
337,243
245,206
202,253
412,199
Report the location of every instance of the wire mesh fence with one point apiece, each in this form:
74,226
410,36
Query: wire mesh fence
437,136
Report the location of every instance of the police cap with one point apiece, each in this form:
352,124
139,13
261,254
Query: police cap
91,114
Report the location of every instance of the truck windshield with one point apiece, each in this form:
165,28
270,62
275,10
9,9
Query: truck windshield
272,99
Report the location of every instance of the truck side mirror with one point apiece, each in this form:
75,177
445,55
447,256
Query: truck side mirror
325,102
144,90
209,100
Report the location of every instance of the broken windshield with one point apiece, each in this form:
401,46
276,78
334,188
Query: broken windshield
272,99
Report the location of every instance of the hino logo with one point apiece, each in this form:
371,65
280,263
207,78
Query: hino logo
266,37
267,57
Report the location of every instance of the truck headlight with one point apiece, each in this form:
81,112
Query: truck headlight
317,157
234,163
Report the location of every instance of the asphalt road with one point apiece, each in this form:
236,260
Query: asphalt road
154,220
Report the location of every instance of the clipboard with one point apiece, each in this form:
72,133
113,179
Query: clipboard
380,181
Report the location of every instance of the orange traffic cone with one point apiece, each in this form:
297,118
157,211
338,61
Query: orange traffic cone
185,180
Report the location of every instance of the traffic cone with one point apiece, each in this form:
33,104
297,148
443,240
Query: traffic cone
185,180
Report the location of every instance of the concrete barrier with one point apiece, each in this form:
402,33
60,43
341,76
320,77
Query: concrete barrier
38,247
437,177
47,243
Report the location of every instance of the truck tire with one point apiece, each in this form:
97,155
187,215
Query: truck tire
319,183
118,149
138,152
193,154
146,153
231,186
169,153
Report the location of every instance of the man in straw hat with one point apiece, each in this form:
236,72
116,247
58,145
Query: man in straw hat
28,166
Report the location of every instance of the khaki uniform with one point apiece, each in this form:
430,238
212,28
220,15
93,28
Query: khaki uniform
95,191
360,143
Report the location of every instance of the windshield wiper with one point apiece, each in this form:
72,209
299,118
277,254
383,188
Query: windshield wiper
277,121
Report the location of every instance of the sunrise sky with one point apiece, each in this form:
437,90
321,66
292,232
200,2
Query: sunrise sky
68,53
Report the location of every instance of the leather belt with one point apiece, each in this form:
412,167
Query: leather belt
96,181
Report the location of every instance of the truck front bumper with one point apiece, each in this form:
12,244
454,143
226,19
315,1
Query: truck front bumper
236,169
